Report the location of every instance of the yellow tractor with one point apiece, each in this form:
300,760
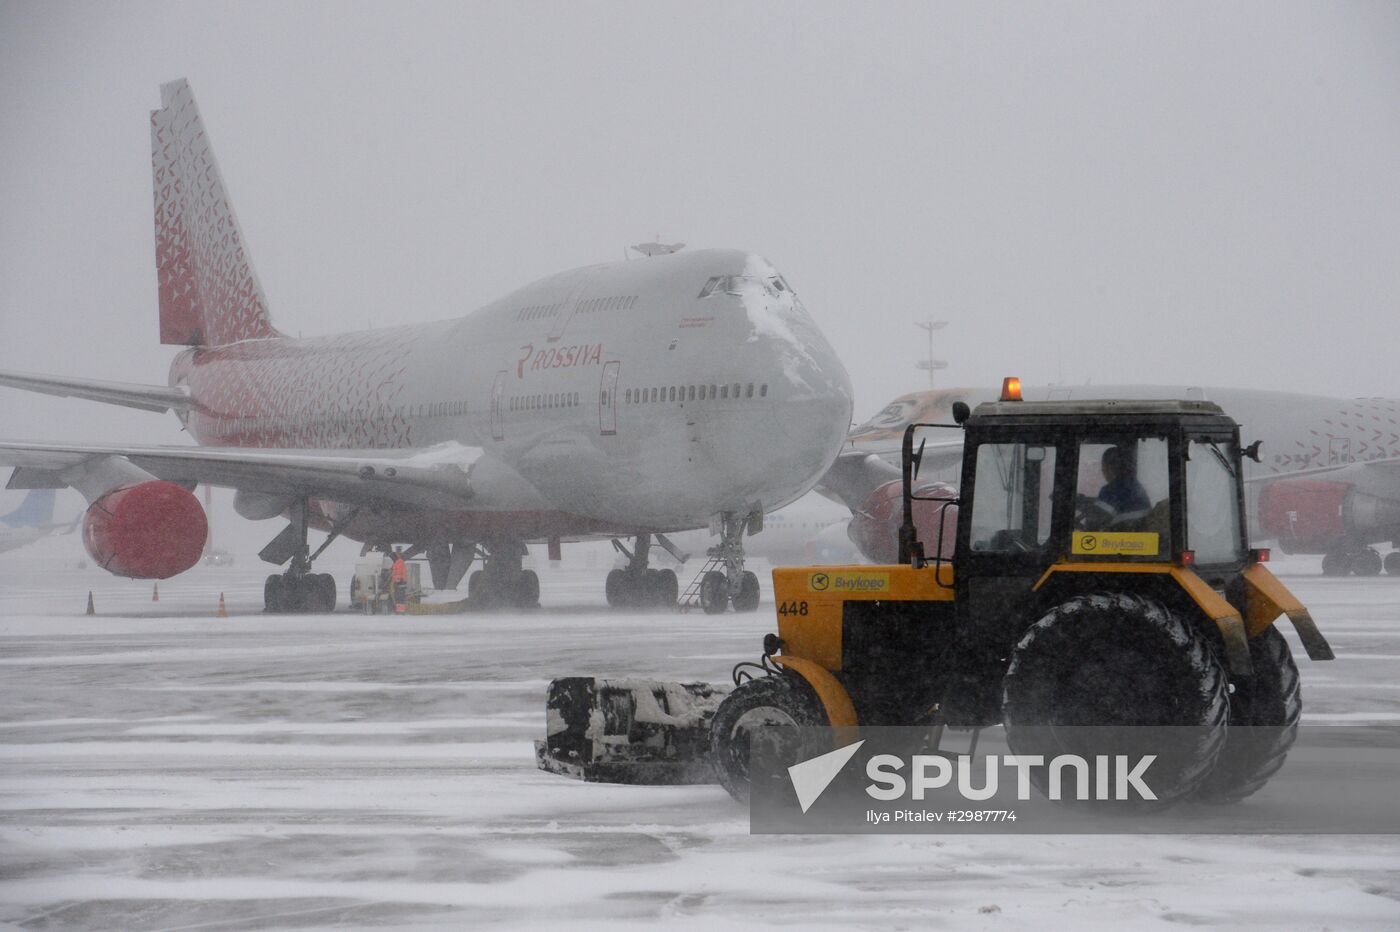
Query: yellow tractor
1100,575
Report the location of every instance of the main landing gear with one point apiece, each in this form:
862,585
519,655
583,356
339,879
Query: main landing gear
298,590
1363,561
637,586
725,582
503,582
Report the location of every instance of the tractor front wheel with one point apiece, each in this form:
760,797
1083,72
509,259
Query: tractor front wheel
760,711
1100,661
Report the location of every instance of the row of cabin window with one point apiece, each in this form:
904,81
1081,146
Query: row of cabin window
541,311
442,409
683,393
544,401
347,421
622,303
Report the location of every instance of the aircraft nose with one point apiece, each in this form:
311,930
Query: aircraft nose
805,374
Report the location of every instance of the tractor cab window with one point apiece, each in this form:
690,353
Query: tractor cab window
1123,498
1212,508
1011,497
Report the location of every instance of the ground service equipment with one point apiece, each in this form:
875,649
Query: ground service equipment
1100,576
370,591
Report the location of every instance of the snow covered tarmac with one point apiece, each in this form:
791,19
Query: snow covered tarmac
163,768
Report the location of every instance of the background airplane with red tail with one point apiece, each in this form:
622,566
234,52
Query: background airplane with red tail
1328,480
682,390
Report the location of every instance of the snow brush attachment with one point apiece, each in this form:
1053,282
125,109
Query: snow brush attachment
629,731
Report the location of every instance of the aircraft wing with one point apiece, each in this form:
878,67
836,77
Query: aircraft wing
860,470
431,477
158,398
1390,463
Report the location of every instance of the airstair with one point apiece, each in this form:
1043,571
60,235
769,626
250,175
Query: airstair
690,598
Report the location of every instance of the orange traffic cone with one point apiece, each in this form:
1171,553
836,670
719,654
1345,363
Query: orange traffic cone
155,593
222,612
90,609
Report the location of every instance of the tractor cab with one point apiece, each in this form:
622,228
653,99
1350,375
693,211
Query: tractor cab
1110,482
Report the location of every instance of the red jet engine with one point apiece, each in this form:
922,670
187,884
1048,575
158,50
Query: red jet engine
151,530
1320,515
874,528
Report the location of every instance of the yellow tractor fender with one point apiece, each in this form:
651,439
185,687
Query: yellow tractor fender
1227,620
1266,598
840,711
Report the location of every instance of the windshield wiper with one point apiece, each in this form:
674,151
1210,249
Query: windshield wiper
1224,460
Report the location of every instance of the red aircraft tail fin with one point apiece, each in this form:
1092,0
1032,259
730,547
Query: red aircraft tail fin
209,293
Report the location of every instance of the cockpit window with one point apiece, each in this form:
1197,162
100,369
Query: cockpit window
740,284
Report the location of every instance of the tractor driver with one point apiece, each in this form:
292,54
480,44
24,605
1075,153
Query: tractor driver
1122,492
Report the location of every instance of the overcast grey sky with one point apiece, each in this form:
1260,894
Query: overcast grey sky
1199,193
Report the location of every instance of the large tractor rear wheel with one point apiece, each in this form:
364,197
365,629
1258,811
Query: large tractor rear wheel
770,702
1114,659
1268,705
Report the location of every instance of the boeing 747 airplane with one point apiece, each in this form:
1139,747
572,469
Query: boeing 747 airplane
629,399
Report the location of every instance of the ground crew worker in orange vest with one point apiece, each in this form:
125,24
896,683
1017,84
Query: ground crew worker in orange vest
398,579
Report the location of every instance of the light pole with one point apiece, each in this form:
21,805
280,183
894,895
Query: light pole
931,365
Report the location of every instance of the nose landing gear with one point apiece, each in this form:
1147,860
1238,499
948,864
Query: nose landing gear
724,581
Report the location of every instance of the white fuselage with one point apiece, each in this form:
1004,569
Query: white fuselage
642,395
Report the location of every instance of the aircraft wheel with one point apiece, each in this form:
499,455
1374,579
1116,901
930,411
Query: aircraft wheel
488,590
313,595
1114,659
298,594
1336,564
1392,563
614,586
328,593
773,704
305,597
634,588
1269,704
527,590
1366,563
714,593
474,587
665,589
272,595
746,599
354,590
